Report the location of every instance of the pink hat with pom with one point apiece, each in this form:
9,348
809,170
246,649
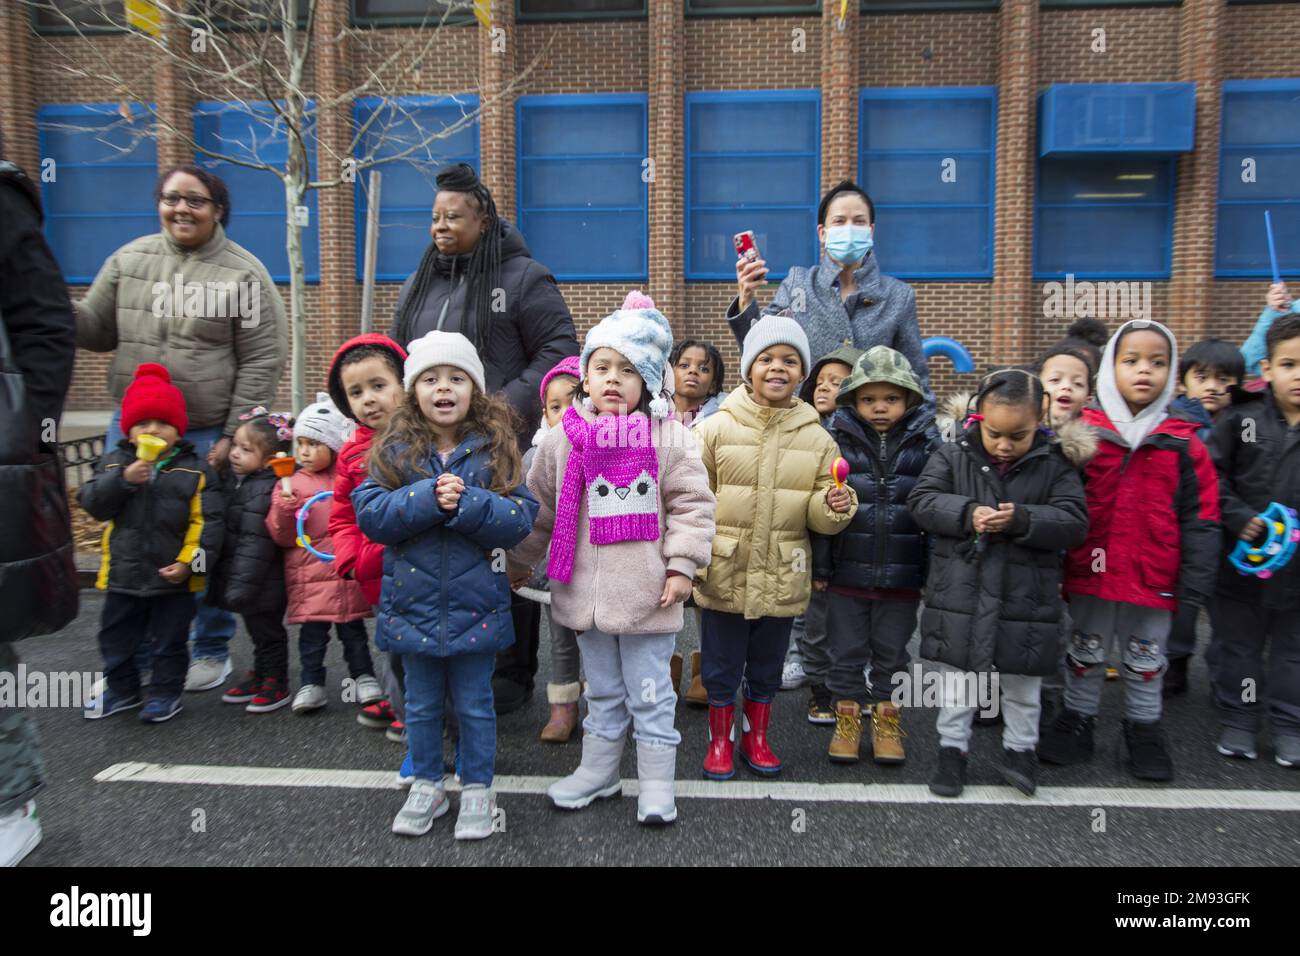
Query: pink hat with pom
640,333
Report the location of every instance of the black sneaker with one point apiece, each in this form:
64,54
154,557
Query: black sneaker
820,711
1069,740
1176,677
1020,769
949,778
1147,757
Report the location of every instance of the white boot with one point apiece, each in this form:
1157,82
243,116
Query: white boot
656,767
20,832
596,776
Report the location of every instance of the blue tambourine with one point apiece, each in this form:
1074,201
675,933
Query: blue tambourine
304,539
1276,550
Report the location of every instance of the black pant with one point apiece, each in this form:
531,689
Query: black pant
314,637
862,630
270,644
732,649
518,662
1182,633
1236,658
162,620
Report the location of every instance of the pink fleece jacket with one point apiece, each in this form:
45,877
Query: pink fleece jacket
616,587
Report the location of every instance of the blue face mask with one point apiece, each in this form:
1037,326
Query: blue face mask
848,245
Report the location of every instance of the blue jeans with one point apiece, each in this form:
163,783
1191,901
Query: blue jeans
213,627
468,678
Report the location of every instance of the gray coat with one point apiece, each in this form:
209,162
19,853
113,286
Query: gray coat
886,312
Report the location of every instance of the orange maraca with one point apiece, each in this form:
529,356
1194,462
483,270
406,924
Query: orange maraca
283,466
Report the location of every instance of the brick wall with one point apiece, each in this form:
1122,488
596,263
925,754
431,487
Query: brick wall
1019,47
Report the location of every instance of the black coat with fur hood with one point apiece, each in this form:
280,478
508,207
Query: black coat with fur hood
992,601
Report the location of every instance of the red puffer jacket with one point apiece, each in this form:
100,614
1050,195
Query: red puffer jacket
316,593
1153,536
355,555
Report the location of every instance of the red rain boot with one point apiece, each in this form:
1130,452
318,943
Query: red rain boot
719,761
753,742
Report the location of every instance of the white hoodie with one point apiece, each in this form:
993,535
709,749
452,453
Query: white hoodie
1135,428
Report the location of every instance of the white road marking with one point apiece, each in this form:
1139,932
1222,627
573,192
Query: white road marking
1132,797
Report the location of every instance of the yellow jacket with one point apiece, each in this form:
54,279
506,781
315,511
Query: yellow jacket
770,470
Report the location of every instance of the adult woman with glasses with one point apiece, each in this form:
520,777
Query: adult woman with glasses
189,298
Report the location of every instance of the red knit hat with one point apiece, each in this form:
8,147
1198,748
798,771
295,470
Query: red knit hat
151,394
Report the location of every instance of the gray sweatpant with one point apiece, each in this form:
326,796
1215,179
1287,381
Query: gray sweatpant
1143,635
1019,703
628,682
566,661
809,640
861,630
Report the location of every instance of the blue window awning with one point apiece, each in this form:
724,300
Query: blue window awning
1084,119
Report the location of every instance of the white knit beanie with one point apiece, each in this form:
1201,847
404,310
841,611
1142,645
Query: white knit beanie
640,333
321,421
443,348
779,329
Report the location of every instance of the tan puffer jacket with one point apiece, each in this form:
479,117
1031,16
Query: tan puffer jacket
222,363
770,469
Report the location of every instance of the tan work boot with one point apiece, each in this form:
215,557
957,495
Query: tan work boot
696,695
848,732
675,672
886,734
564,712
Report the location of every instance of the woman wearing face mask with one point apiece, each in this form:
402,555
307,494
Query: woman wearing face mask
844,299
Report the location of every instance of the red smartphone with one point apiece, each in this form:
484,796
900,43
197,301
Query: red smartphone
745,247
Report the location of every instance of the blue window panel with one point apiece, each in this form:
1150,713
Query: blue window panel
1261,141
780,234
258,218
1099,218
928,160
753,162
401,127
101,198
926,239
1144,118
583,207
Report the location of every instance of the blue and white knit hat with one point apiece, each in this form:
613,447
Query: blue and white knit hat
640,333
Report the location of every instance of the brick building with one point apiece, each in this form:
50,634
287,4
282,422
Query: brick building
650,130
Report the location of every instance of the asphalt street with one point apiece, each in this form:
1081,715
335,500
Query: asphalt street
208,824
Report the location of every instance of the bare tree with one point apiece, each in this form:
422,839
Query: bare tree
255,56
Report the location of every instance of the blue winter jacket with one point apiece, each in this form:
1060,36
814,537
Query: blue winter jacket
1256,346
440,594
1193,410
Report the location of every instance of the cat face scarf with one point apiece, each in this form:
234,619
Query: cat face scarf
614,464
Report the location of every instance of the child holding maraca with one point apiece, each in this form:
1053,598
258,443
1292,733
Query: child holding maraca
874,570
768,460
317,596
1255,450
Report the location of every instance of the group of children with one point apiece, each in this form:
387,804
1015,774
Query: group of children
1029,527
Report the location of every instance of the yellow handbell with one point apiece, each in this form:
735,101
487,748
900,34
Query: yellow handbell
149,447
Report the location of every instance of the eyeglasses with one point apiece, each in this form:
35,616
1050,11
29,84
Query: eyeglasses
191,202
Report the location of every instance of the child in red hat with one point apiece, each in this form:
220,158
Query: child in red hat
160,499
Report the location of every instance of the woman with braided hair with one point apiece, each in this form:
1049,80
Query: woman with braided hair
478,278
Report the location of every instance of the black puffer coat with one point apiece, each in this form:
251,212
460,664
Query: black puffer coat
883,546
993,601
157,523
1252,474
250,577
526,340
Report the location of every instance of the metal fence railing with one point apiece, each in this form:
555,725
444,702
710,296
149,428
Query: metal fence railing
79,457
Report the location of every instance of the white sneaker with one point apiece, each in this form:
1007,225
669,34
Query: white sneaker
309,697
792,675
20,832
368,690
425,803
477,807
207,674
